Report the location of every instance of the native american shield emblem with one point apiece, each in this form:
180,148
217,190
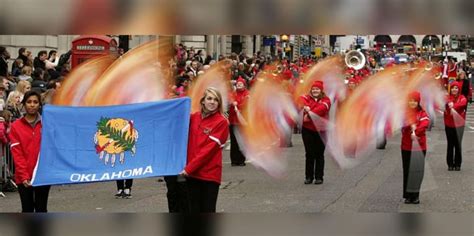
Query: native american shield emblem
113,138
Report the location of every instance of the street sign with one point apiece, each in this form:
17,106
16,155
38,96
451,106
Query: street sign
269,41
454,44
305,50
360,41
317,52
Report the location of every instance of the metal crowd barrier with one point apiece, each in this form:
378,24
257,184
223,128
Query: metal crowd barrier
7,170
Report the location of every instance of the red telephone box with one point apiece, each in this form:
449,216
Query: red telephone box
89,46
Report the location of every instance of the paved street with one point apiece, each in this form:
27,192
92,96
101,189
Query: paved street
373,186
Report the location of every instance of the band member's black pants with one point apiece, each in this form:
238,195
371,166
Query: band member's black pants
314,149
177,194
236,155
413,171
454,152
202,195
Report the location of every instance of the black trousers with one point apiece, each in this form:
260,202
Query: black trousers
314,149
123,184
177,194
454,152
236,155
202,195
34,199
413,171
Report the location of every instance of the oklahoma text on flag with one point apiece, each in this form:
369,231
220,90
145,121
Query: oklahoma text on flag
90,144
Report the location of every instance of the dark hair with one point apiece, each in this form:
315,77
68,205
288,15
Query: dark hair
21,51
64,58
41,53
2,50
30,94
51,52
37,73
51,84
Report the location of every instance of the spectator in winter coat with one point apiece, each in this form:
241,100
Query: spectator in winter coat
3,104
39,61
26,72
5,119
464,85
39,83
22,54
4,56
16,67
14,105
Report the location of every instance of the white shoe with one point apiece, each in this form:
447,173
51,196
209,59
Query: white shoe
127,193
119,194
2,194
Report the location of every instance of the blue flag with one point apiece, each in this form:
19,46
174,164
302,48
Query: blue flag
91,144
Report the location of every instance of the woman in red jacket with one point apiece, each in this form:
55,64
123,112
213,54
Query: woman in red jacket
25,138
454,121
238,101
208,133
414,148
315,107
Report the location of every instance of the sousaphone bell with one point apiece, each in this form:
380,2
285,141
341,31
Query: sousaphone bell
355,59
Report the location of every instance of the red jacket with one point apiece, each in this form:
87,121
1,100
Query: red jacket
422,121
25,146
319,107
3,131
460,105
287,74
452,70
241,98
206,139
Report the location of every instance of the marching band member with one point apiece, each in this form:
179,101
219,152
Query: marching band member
413,148
239,98
454,121
316,102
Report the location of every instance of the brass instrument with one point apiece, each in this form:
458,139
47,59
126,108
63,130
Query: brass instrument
355,59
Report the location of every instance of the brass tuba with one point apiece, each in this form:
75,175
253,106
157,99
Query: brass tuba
355,59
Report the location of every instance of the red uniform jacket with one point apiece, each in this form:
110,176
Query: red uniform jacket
206,139
319,107
25,146
287,74
359,79
460,105
241,98
452,70
422,121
